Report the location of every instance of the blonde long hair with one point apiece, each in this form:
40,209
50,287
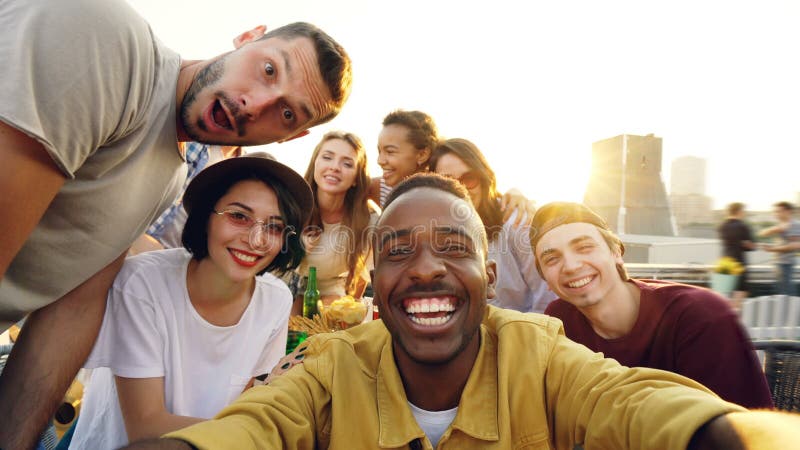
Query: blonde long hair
357,211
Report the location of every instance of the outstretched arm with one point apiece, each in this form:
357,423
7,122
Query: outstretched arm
286,414
53,344
773,230
748,430
717,433
792,246
29,180
601,404
733,431
159,444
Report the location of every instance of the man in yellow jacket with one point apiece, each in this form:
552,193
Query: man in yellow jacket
444,370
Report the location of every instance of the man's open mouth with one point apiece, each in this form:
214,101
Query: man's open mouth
220,116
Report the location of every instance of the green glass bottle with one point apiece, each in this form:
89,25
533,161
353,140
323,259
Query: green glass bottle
311,296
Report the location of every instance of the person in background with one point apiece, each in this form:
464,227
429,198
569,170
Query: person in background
737,239
187,328
337,240
444,370
404,148
518,285
669,326
405,144
165,231
89,158
788,230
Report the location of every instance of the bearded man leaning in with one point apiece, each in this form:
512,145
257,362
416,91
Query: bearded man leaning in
93,107
442,369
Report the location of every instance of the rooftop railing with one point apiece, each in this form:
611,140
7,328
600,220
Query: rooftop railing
760,277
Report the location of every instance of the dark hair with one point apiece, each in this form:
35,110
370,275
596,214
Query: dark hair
195,232
488,208
333,61
429,180
735,208
356,209
785,206
433,181
422,131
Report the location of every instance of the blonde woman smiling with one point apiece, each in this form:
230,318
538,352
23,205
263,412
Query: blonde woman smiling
337,239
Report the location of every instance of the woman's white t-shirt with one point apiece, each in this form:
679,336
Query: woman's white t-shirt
151,329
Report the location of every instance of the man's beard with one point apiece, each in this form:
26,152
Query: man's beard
207,76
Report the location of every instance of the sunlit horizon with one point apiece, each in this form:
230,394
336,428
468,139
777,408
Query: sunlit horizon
535,87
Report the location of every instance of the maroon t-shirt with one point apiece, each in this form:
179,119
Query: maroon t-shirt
684,329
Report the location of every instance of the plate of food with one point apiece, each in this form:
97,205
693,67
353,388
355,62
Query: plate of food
340,314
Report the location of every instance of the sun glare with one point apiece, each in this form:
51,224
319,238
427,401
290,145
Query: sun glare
535,85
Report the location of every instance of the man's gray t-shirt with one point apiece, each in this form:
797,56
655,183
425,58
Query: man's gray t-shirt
90,82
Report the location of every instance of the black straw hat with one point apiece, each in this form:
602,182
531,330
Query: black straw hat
261,163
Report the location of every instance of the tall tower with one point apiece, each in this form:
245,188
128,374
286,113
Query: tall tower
625,186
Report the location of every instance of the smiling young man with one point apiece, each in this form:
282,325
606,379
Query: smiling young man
668,326
442,369
93,108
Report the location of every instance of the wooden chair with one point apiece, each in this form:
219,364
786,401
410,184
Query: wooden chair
782,370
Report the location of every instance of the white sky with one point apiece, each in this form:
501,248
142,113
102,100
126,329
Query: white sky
534,87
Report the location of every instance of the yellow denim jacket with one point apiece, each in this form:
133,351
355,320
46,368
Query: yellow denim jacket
530,388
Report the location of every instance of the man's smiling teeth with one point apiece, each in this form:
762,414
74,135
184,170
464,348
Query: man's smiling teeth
433,306
579,283
427,306
430,321
244,257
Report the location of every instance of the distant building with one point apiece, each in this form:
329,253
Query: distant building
691,209
670,250
689,260
688,176
690,204
625,185
700,230
644,249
